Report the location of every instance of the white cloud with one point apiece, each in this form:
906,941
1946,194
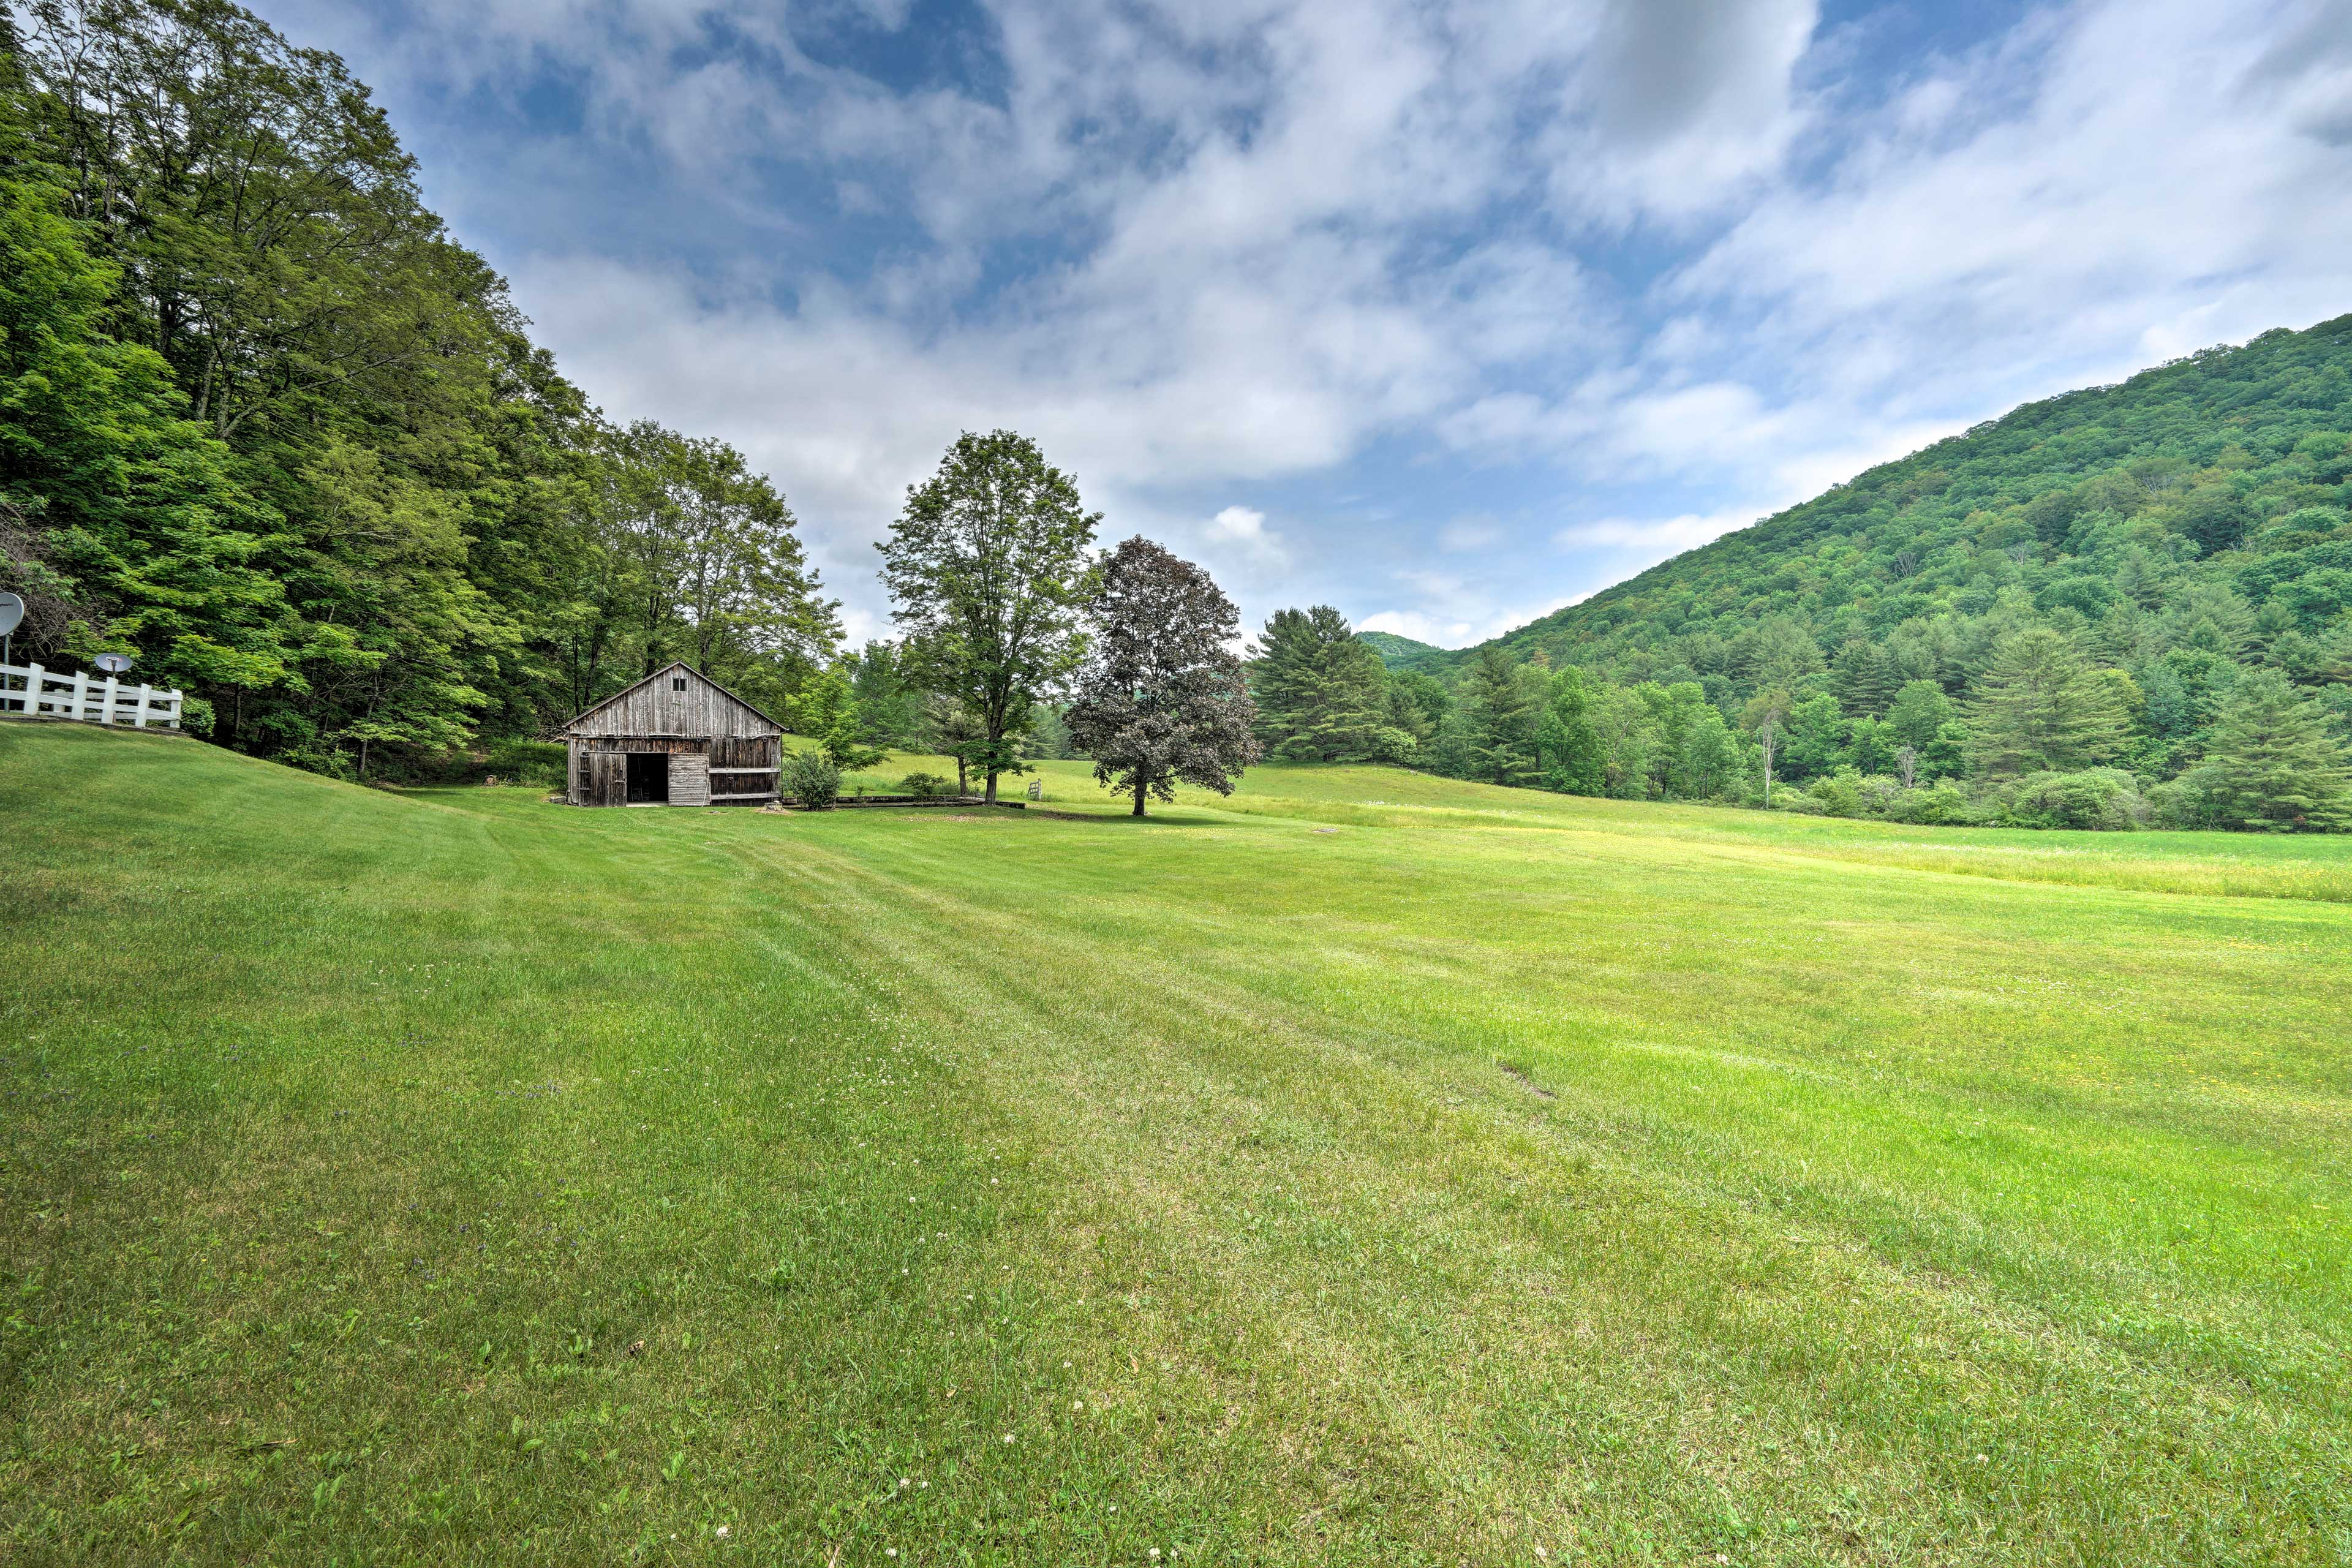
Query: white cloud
1419,627
1469,533
1684,103
1244,527
1654,538
1453,611
1664,265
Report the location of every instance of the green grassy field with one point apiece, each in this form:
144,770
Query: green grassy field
1374,1169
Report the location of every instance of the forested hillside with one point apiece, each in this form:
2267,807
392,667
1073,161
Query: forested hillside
272,430
1404,653
2215,487
2078,613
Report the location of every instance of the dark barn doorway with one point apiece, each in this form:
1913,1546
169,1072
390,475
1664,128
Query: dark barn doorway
649,778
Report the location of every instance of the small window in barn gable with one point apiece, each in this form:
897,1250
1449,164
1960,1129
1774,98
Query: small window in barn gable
678,683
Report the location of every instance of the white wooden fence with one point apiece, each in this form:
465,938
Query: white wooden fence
30,692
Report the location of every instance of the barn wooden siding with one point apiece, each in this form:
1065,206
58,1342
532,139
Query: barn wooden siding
654,707
601,778
719,749
743,768
689,779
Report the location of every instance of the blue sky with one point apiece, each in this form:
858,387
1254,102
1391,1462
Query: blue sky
1447,315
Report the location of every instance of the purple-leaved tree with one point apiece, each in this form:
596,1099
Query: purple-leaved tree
1160,697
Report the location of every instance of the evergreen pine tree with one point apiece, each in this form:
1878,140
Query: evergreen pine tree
1321,693
1501,710
1865,679
2039,706
2274,764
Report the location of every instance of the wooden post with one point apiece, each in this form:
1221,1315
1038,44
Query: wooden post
144,689
33,691
80,694
106,703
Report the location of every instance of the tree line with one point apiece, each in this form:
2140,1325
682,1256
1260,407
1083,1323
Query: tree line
2041,737
2130,605
276,434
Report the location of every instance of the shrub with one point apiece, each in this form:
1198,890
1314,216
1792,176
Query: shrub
1944,804
2099,799
810,778
1882,797
1839,794
923,786
537,763
2188,801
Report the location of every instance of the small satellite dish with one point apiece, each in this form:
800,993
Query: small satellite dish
12,612
113,663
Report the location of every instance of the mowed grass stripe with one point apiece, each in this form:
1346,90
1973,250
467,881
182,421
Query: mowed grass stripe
1775,1265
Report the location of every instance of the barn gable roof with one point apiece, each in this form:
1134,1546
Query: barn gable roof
619,706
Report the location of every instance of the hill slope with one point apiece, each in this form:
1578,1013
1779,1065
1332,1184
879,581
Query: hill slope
2210,489
1404,653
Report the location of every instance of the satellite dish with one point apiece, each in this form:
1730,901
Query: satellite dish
12,612
113,663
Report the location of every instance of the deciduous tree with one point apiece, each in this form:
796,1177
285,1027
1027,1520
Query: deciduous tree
988,567
1162,697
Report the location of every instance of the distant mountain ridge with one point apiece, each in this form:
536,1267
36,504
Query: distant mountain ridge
1404,653
2225,471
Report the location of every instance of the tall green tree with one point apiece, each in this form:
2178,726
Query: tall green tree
988,566
1865,679
2274,764
274,247
144,525
2039,707
1321,693
1161,698
1707,760
1918,713
1503,711
1568,746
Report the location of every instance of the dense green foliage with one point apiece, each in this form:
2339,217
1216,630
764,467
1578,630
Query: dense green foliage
1367,1168
1320,693
269,428
1404,653
2120,605
990,572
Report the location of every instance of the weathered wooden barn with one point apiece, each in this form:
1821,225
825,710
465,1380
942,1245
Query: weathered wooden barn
676,738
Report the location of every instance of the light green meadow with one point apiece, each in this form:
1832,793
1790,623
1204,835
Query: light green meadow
1368,1169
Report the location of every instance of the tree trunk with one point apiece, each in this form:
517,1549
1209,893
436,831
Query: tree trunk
991,797
1139,796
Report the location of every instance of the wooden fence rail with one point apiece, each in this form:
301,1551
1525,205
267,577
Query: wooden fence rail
29,691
